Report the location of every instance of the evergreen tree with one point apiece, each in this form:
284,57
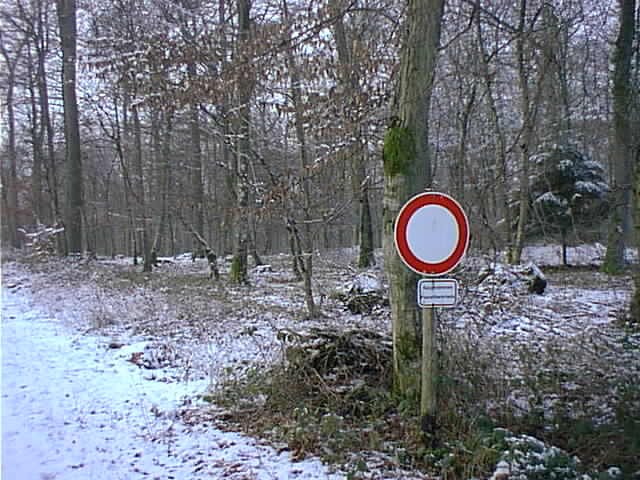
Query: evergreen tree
568,190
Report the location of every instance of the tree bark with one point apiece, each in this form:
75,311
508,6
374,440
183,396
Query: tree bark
556,120
349,80
635,301
526,139
407,170
622,148
40,40
12,186
142,216
366,257
245,85
304,241
463,134
502,179
164,174
36,140
73,222
196,167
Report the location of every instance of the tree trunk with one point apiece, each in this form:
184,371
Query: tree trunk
50,165
163,182
528,122
12,186
407,170
196,167
462,149
73,222
245,85
142,216
36,140
635,300
502,179
622,148
36,86
123,153
349,80
303,238
564,247
366,257
108,220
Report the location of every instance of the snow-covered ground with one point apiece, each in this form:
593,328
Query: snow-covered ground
79,402
73,408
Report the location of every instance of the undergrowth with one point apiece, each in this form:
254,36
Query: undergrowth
330,397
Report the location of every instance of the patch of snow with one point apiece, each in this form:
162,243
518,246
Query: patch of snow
592,254
593,165
502,471
72,408
365,283
614,472
565,165
597,189
551,198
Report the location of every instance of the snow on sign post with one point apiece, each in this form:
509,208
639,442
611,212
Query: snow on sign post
431,236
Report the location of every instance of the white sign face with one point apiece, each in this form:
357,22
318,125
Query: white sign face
432,233
437,292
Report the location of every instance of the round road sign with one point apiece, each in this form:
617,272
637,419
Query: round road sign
431,233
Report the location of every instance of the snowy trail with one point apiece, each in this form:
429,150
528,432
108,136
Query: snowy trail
73,409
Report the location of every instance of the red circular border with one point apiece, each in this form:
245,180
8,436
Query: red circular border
400,233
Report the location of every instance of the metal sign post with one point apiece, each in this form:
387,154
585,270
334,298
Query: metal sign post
432,236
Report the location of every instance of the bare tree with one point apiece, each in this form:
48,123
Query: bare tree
622,144
501,177
244,85
303,243
350,78
11,58
74,181
635,301
528,123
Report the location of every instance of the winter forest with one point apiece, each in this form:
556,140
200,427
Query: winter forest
208,191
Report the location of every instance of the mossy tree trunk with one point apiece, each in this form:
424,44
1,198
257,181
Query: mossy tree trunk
407,170
622,142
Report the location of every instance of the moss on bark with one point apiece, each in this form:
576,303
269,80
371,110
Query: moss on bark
399,151
238,273
614,258
406,378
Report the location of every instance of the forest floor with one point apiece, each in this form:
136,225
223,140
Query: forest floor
108,372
